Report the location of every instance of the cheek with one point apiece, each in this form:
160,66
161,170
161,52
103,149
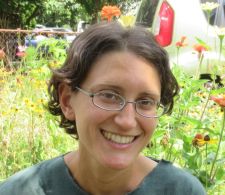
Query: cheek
150,126
90,117
97,115
88,124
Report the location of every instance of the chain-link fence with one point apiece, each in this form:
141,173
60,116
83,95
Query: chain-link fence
13,42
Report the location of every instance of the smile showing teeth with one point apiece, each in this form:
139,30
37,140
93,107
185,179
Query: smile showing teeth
118,138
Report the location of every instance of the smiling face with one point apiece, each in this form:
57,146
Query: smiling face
114,138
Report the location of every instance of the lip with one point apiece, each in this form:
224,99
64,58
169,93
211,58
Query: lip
119,145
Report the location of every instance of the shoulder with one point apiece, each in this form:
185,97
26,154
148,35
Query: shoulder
166,168
168,179
178,180
30,180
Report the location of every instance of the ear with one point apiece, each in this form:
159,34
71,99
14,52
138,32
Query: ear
65,95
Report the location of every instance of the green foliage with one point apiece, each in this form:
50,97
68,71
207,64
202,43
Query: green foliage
20,14
53,49
62,13
94,7
28,133
27,13
4,22
194,113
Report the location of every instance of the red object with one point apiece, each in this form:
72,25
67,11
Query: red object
220,99
109,12
21,54
198,136
165,25
200,48
181,43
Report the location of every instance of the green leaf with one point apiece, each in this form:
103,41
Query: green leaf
200,41
220,174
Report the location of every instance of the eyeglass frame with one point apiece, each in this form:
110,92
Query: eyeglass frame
92,95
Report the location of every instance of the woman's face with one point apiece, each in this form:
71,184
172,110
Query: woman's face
102,132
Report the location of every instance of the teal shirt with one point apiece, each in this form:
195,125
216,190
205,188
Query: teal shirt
52,177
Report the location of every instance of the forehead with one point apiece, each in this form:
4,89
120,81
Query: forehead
125,70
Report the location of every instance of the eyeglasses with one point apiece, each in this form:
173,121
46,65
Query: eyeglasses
108,100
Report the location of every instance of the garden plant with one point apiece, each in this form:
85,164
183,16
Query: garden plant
192,137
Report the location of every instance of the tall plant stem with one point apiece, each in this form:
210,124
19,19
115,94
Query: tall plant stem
220,140
199,66
206,156
206,104
178,51
168,156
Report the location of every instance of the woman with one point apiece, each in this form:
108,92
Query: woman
110,92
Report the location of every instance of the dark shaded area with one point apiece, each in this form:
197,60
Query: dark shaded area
209,77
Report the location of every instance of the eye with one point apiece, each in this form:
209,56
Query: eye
146,104
109,97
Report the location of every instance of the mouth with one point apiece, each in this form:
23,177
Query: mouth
118,139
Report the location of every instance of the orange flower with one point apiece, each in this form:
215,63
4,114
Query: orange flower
200,140
181,43
196,141
109,12
2,54
199,136
200,48
219,100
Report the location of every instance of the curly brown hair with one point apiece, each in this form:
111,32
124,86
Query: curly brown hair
96,41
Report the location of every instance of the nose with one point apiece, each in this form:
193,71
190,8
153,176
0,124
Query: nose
126,118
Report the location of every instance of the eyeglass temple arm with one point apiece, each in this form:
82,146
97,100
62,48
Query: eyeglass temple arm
85,92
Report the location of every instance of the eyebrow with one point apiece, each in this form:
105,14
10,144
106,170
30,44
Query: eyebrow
151,94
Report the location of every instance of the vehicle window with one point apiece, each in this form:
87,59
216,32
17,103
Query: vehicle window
217,16
146,12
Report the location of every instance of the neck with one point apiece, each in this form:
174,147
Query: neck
97,179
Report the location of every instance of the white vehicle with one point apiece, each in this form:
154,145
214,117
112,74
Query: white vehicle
172,19
69,34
